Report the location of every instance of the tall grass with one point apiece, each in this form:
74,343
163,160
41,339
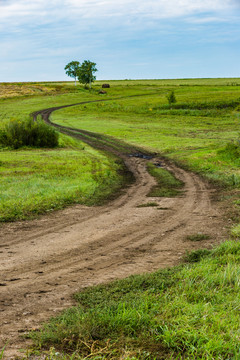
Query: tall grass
17,134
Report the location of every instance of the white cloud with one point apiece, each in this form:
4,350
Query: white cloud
152,8
97,9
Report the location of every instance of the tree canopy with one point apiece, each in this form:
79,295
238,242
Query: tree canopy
72,69
86,72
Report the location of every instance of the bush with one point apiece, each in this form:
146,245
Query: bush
171,98
29,133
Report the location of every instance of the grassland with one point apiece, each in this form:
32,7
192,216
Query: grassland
193,132
188,312
34,181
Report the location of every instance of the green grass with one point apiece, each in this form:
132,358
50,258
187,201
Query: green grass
2,353
188,312
34,181
167,184
193,132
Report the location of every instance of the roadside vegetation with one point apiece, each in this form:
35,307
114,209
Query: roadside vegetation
187,312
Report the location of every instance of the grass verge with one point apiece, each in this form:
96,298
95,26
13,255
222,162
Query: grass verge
188,312
35,181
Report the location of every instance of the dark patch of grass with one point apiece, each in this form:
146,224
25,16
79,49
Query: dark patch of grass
168,185
149,204
197,237
220,104
197,255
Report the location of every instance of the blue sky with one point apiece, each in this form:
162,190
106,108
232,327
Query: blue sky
128,39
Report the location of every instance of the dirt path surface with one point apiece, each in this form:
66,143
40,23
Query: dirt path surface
44,261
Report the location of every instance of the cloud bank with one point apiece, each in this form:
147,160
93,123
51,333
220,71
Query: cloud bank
96,9
129,38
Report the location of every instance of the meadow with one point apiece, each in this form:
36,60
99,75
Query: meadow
35,181
194,131
187,312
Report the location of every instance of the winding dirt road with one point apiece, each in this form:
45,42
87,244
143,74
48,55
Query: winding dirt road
44,261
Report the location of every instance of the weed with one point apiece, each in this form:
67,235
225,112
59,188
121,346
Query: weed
198,237
235,231
2,352
149,204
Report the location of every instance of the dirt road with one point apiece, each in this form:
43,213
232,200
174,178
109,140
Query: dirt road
43,262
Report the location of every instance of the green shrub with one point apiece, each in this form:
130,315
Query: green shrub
171,98
28,132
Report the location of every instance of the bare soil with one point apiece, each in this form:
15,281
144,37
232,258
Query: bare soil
43,262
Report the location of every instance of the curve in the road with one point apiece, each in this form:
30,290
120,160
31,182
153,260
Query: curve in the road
44,261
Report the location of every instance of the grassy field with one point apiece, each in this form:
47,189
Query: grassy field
34,181
193,132
188,312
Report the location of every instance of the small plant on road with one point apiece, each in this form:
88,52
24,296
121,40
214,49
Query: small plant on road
198,237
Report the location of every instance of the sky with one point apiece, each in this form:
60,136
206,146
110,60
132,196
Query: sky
127,39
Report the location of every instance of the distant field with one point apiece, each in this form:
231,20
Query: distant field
9,90
193,131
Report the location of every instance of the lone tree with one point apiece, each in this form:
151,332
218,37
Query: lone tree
86,71
72,69
171,98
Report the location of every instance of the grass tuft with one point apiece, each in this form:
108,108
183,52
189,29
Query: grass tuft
149,204
168,185
198,237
